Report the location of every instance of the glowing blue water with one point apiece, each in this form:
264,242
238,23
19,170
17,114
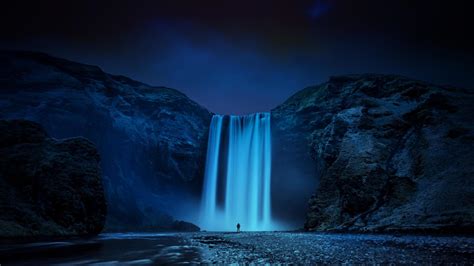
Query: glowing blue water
210,174
245,177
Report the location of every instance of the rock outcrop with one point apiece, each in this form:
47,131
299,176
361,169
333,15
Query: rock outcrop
152,140
390,153
182,226
48,187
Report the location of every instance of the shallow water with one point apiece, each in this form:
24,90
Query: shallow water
116,248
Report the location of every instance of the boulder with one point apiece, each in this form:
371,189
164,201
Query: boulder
182,226
48,187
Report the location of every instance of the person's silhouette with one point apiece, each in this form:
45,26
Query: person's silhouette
238,227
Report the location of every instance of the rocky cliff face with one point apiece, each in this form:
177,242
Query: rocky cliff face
390,153
385,153
48,187
151,139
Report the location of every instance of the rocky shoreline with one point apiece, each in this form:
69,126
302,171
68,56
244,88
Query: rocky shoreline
245,248
330,248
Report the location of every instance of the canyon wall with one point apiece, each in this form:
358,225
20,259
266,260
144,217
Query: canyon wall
152,140
369,152
389,153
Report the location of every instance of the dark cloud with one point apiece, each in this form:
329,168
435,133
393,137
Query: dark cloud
319,8
247,56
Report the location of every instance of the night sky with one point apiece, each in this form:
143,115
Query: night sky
241,56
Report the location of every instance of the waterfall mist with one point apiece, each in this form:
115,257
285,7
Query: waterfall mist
237,179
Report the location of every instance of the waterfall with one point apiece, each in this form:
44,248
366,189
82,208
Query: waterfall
237,179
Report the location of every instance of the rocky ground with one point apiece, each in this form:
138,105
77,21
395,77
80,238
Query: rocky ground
311,248
245,248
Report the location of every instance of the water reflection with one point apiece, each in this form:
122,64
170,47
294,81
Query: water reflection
117,248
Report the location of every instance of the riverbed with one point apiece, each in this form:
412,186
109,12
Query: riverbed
244,247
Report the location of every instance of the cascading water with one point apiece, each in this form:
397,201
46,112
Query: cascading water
238,167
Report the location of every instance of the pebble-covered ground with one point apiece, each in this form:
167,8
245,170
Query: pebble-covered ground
241,248
311,248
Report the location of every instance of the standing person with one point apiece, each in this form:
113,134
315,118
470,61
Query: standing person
238,228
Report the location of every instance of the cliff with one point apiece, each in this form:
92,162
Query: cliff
152,140
389,153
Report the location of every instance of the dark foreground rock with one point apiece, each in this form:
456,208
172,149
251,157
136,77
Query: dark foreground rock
389,153
182,226
165,226
152,140
48,187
